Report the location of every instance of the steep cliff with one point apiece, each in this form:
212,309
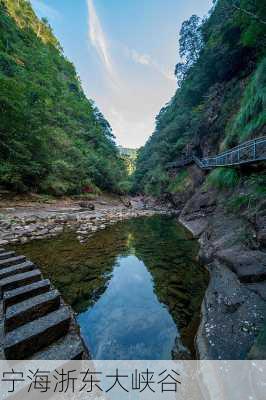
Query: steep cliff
220,103
52,138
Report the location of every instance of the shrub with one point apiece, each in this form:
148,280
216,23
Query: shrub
180,182
251,117
223,178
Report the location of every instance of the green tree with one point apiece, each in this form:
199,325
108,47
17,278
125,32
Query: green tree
52,138
190,44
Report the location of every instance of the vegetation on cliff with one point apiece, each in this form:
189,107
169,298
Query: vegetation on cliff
129,156
52,138
220,101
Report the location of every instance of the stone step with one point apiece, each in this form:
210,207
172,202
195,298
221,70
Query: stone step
69,347
6,254
28,339
16,281
2,250
17,269
12,261
31,309
25,292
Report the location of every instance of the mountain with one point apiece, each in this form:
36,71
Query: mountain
220,103
129,156
220,100
52,138
125,151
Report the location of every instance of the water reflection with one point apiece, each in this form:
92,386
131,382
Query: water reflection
128,321
136,286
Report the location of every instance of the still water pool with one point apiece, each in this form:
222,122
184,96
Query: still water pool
137,287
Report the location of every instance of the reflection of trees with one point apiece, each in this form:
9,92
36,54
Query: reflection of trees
170,254
81,271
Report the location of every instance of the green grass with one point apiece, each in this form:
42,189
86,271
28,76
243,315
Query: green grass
258,184
180,182
239,202
251,117
255,186
223,178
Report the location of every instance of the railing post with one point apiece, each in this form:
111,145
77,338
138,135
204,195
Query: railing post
254,150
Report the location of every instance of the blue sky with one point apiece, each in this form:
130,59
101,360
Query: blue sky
125,52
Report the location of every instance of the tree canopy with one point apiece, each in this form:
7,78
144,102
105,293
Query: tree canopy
52,138
220,99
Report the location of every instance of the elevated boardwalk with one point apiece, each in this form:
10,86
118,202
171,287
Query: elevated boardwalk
249,152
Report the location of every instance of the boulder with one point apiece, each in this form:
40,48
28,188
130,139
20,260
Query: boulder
250,266
261,230
87,205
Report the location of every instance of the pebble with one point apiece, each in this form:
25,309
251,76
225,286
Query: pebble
24,229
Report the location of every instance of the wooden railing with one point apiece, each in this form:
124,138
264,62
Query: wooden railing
246,153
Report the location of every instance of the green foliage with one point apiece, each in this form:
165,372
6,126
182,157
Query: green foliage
179,183
257,182
157,182
251,118
190,44
129,157
238,202
53,139
221,99
124,187
254,191
223,178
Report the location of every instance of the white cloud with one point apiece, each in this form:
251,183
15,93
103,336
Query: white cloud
131,127
97,37
146,60
143,59
129,99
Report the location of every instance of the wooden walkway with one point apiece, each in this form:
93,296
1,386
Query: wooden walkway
246,153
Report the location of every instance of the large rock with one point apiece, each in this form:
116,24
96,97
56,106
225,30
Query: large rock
250,266
202,203
231,317
87,205
261,229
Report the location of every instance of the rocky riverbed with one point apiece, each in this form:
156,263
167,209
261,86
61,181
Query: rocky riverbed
232,248
21,224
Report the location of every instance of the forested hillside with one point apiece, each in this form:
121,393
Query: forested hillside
52,138
129,156
221,96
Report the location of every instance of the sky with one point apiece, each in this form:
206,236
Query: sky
125,52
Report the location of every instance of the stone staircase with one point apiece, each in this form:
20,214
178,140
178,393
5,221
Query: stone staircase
35,323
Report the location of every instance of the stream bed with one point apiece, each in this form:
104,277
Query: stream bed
136,287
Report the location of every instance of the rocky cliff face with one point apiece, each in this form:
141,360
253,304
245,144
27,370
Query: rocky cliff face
233,250
220,99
